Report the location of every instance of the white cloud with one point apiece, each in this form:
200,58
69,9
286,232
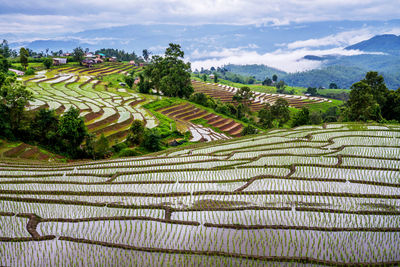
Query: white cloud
286,60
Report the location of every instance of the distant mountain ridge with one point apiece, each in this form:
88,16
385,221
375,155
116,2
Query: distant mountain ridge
342,70
387,43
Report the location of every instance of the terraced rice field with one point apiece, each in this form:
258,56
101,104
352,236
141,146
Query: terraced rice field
105,110
225,94
24,151
307,196
185,113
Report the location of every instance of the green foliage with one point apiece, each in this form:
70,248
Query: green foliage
145,86
72,131
78,54
23,57
14,96
127,152
302,117
315,117
200,98
312,91
391,110
146,54
44,127
119,146
152,140
280,111
265,116
249,130
48,62
274,77
119,54
331,115
4,64
280,87
5,50
30,71
333,86
244,95
136,133
129,80
267,82
215,78
169,74
101,147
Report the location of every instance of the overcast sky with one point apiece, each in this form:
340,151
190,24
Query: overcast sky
42,19
49,16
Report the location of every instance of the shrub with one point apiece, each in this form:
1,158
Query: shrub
127,152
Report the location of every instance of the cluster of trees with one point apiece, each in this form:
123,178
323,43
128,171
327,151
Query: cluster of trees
63,135
370,99
119,54
238,111
169,75
223,73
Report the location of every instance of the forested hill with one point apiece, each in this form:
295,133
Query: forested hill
259,71
387,43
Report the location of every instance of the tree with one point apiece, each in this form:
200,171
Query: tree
204,77
312,91
280,87
393,104
101,147
48,62
170,74
4,64
144,86
331,115
23,57
199,98
378,87
316,117
265,116
14,96
72,131
267,82
274,77
78,54
136,133
215,78
249,130
280,111
146,54
152,140
44,127
130,80
5,50
361,105
244,95
333,86
302,117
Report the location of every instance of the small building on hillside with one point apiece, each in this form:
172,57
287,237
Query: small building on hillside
88,62
112,59
97,60
132,62
89,55
212,76
59,61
